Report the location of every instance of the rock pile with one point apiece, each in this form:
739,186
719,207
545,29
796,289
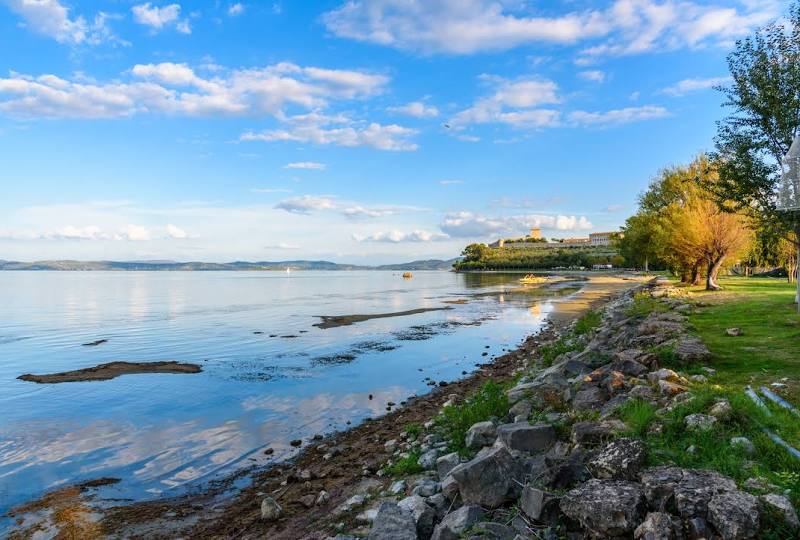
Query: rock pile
579,479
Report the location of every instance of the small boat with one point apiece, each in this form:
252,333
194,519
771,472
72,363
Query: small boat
288,270
407,275
531,279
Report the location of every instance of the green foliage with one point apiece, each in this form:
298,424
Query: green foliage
454,422
549,352
637,414
643,305
413,430
405,466
533,257
588,322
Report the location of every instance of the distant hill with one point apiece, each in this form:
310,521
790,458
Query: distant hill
166,266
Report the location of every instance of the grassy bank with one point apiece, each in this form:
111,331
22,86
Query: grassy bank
769,347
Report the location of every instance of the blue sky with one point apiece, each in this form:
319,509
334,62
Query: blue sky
354,131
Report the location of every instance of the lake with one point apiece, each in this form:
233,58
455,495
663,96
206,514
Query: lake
269,375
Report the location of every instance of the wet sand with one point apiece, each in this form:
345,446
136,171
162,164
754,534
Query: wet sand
223,511
334,321
105,372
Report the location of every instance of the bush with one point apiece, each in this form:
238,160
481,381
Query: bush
588,322
637,414
548,353
405,466
455,420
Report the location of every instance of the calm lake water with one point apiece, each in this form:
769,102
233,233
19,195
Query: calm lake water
160,433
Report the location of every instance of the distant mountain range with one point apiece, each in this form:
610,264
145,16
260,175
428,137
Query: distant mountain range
430,264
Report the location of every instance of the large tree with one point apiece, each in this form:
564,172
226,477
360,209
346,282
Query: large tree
764,98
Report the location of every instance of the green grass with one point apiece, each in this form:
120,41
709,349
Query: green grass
637,414
455,420
413,430
405,466
549,352
769,347
643,305
588,322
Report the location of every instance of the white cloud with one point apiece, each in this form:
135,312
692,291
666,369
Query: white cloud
396,237
618,116
236,9
613,208
450,182
135,233
176,232
281,246
416,109
468,138
176,89
621,27
594,75
513,103
71,232
471,225
687,86
308,165
157,18
51,18
306,204
339,131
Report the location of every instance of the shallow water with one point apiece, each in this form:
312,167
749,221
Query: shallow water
160,433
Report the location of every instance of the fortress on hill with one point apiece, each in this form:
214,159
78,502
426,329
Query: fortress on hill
535,240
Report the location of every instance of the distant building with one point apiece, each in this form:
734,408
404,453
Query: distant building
575,240
601,238
536,233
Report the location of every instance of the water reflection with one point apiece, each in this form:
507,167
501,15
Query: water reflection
160,432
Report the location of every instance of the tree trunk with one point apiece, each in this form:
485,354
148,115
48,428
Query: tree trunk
696,277
797,264
713,271
646,265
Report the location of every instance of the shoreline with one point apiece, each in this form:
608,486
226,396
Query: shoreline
224,509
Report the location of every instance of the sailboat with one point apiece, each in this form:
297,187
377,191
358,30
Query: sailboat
288,270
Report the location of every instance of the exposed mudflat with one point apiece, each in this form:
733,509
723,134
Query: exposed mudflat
111,370
333,321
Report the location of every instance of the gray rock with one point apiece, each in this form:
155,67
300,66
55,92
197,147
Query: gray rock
424,515
667,388
490,479
398,487
781,505
641,391
700,379
589,432
700,422
523,437
689,490
428,459
270,509
619,460
323,497
439,503
606,508
744,444
538,504
351,503
457,522
480,435
590,397
446,463
721,409
393,523
521,408
659,526
488,530
426,488
690,350
573,368
734,514
699,529
390,446
733,332
450,487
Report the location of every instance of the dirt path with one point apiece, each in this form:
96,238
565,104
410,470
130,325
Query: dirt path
214,513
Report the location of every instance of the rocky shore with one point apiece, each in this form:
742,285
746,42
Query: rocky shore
560,465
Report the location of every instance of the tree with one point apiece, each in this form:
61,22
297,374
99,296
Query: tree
475,252
752,140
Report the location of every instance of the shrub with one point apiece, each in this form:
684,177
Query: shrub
405,466
548,353
588,322
455,420
637,414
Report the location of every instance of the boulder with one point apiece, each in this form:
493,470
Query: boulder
480,435
393,523
490,479
428,459
667,388
665,374
589,397
270,509
659,526
698,529
721,409
426,488
489,530
424,516
688,490
521,408
629,367
782,506
539,505
744,444
606,508
700,422
588,432
733,332
457,522
523,437
734,514
398,487
619,460
690,350
446,463
450,487
573,368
